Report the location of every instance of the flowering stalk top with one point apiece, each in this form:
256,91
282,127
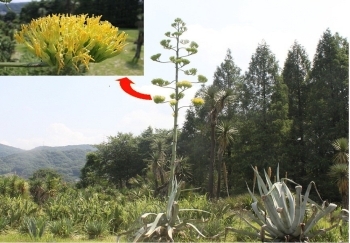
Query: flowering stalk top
65,40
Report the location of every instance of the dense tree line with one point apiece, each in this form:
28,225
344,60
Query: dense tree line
121,13
267,116
8,24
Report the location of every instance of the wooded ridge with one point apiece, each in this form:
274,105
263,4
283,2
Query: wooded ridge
67,160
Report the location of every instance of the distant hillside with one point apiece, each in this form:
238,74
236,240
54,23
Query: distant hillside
67,160
8,150
15,7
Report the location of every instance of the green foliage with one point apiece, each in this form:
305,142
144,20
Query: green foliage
75,212
115,162
3,223
13,186
121,13
61,228
7,47
95,228
7,44
36,227
327,113
341,147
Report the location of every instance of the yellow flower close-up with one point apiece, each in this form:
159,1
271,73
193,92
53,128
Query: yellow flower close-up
71,40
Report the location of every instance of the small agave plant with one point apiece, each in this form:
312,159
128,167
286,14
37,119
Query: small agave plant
166,223
282,215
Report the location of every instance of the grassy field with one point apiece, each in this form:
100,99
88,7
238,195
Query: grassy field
223,213
120,65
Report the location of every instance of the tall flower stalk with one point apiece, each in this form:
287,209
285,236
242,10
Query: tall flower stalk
178,86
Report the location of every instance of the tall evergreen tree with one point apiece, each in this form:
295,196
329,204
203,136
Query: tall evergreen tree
295,71
194,143
328,103
227,74
265,106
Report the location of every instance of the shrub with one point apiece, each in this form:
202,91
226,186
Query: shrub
95,228
62,227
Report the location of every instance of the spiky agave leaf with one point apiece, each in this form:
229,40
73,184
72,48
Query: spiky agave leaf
282,214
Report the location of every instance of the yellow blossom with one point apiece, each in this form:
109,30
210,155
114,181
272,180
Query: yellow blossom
64,40
173,102
158,99
184,84
197,101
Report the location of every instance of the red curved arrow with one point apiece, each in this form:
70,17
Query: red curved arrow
125,84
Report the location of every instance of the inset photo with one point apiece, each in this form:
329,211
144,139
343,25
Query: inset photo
71,37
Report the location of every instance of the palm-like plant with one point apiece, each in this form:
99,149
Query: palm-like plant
340,170
341,147
225,131
158,158
215,100
340,173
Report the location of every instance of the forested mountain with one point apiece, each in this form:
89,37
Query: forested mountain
8,150
15,7
67,160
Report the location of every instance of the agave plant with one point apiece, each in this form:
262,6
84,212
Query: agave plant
3,223
282,215
62,227
95,228
165,224
35,227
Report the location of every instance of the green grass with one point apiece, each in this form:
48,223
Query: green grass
223,213
14,236
121,65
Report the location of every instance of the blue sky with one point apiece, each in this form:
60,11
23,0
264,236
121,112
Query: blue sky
57,111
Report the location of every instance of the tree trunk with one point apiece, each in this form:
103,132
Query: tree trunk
154,170
345,201
139,44
161,173
225,178
212,160
219,170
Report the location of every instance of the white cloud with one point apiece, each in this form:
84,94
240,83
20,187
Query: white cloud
138,120
58,134
4,142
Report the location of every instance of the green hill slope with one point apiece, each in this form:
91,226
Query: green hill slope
15,7
8,150
67,160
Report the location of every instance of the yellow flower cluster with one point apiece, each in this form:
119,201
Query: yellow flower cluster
184,84
197,101
158,99
65,40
